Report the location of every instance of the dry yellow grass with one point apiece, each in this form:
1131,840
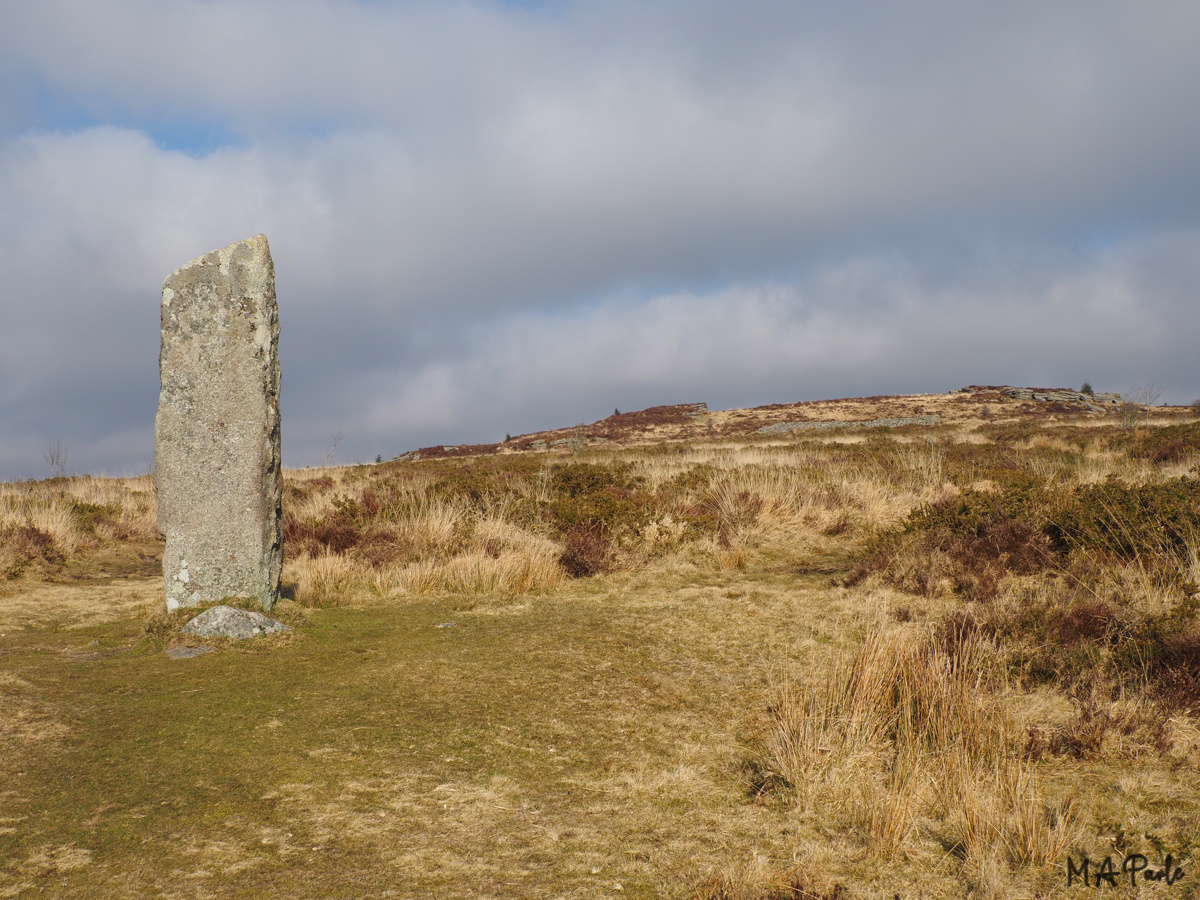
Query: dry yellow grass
761,495
39,605
43,524
328,579
864,738
505,574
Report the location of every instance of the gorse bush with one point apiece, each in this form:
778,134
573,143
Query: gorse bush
1020,496
608,498
488,479
1152,521
965,544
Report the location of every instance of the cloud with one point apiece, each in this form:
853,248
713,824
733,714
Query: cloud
489,218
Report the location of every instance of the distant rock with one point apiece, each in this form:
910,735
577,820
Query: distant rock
1093,401
1062,395
226,621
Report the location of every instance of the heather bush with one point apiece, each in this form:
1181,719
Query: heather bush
588,551
965,544
1171,443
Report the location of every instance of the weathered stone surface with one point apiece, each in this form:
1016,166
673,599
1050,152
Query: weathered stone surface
226,621
1062,395
217,465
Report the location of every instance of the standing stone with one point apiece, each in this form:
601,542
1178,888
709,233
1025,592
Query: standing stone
217,464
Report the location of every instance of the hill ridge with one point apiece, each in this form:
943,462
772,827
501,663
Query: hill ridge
695,421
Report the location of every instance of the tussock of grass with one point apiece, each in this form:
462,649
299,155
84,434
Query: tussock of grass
758,881
327,579
862,741
506,573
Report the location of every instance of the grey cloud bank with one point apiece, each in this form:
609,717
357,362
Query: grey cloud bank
489,219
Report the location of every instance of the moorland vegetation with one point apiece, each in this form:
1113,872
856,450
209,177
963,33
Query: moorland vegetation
933,660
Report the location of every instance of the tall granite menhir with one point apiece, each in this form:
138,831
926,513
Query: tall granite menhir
217,432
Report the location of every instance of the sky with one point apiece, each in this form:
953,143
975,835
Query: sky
490,218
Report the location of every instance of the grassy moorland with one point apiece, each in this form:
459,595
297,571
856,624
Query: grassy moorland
933,661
